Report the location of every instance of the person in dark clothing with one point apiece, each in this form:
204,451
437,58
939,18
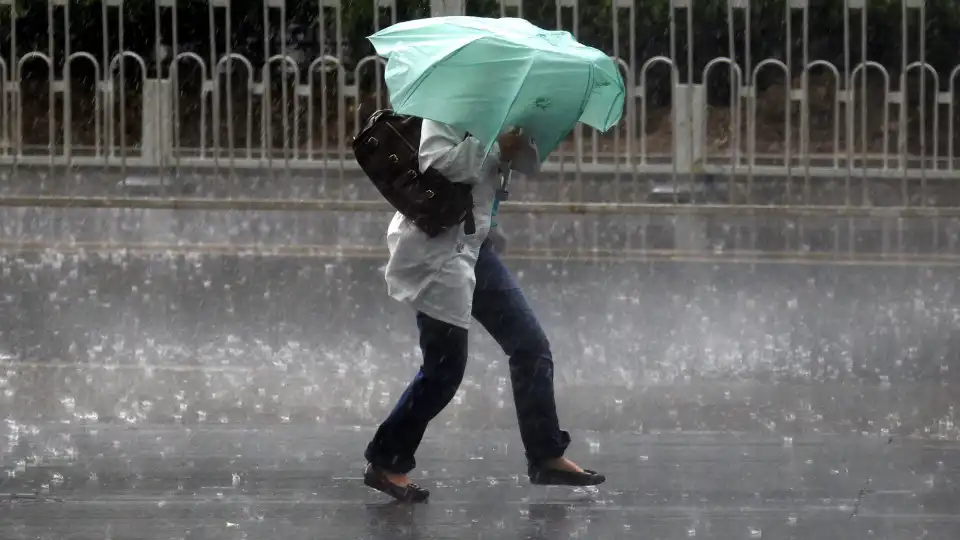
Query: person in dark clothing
450,280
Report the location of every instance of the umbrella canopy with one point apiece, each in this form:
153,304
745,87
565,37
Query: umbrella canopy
486,75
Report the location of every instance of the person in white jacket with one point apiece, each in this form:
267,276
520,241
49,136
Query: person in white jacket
449,280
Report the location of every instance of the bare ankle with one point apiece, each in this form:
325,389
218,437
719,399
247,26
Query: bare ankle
563,464
398,479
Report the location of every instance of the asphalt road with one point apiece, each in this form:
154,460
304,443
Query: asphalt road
149,482
182,395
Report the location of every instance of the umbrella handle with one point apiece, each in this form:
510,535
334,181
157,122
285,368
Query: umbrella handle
506,171
502,193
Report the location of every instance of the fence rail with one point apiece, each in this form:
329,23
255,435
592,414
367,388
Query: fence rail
220,105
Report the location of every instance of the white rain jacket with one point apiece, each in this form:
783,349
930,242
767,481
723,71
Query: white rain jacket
436,275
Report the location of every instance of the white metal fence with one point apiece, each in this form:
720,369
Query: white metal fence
293,107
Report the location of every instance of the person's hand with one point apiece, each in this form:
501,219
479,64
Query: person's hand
511,142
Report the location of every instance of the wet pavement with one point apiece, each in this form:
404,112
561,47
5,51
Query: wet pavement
296,482
171,338
598,182
176,394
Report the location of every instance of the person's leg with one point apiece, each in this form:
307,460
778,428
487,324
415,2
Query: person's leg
501,307
444,348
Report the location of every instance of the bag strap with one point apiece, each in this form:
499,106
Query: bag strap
469,224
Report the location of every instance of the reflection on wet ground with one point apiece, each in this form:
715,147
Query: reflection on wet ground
297,482
186,337
189,396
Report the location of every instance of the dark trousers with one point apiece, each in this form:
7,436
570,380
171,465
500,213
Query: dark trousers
501,308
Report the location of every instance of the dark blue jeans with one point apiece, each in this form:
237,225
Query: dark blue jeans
501,308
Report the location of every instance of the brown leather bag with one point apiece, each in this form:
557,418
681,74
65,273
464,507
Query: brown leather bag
387,149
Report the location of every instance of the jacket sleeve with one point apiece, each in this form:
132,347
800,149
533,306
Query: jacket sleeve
445,149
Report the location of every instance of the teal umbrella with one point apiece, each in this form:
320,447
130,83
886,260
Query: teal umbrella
487,75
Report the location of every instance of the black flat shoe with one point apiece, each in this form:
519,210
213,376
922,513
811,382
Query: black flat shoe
546,476
376,479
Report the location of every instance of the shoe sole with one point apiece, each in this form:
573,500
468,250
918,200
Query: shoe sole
591,479
373,484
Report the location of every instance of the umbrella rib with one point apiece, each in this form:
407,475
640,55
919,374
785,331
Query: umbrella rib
444,49
587,92
523,81
427,72
613,104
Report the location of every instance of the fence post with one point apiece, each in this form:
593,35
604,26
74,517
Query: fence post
689,102
156,140
444,8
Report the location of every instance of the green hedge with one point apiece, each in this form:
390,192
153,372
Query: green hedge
711,34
